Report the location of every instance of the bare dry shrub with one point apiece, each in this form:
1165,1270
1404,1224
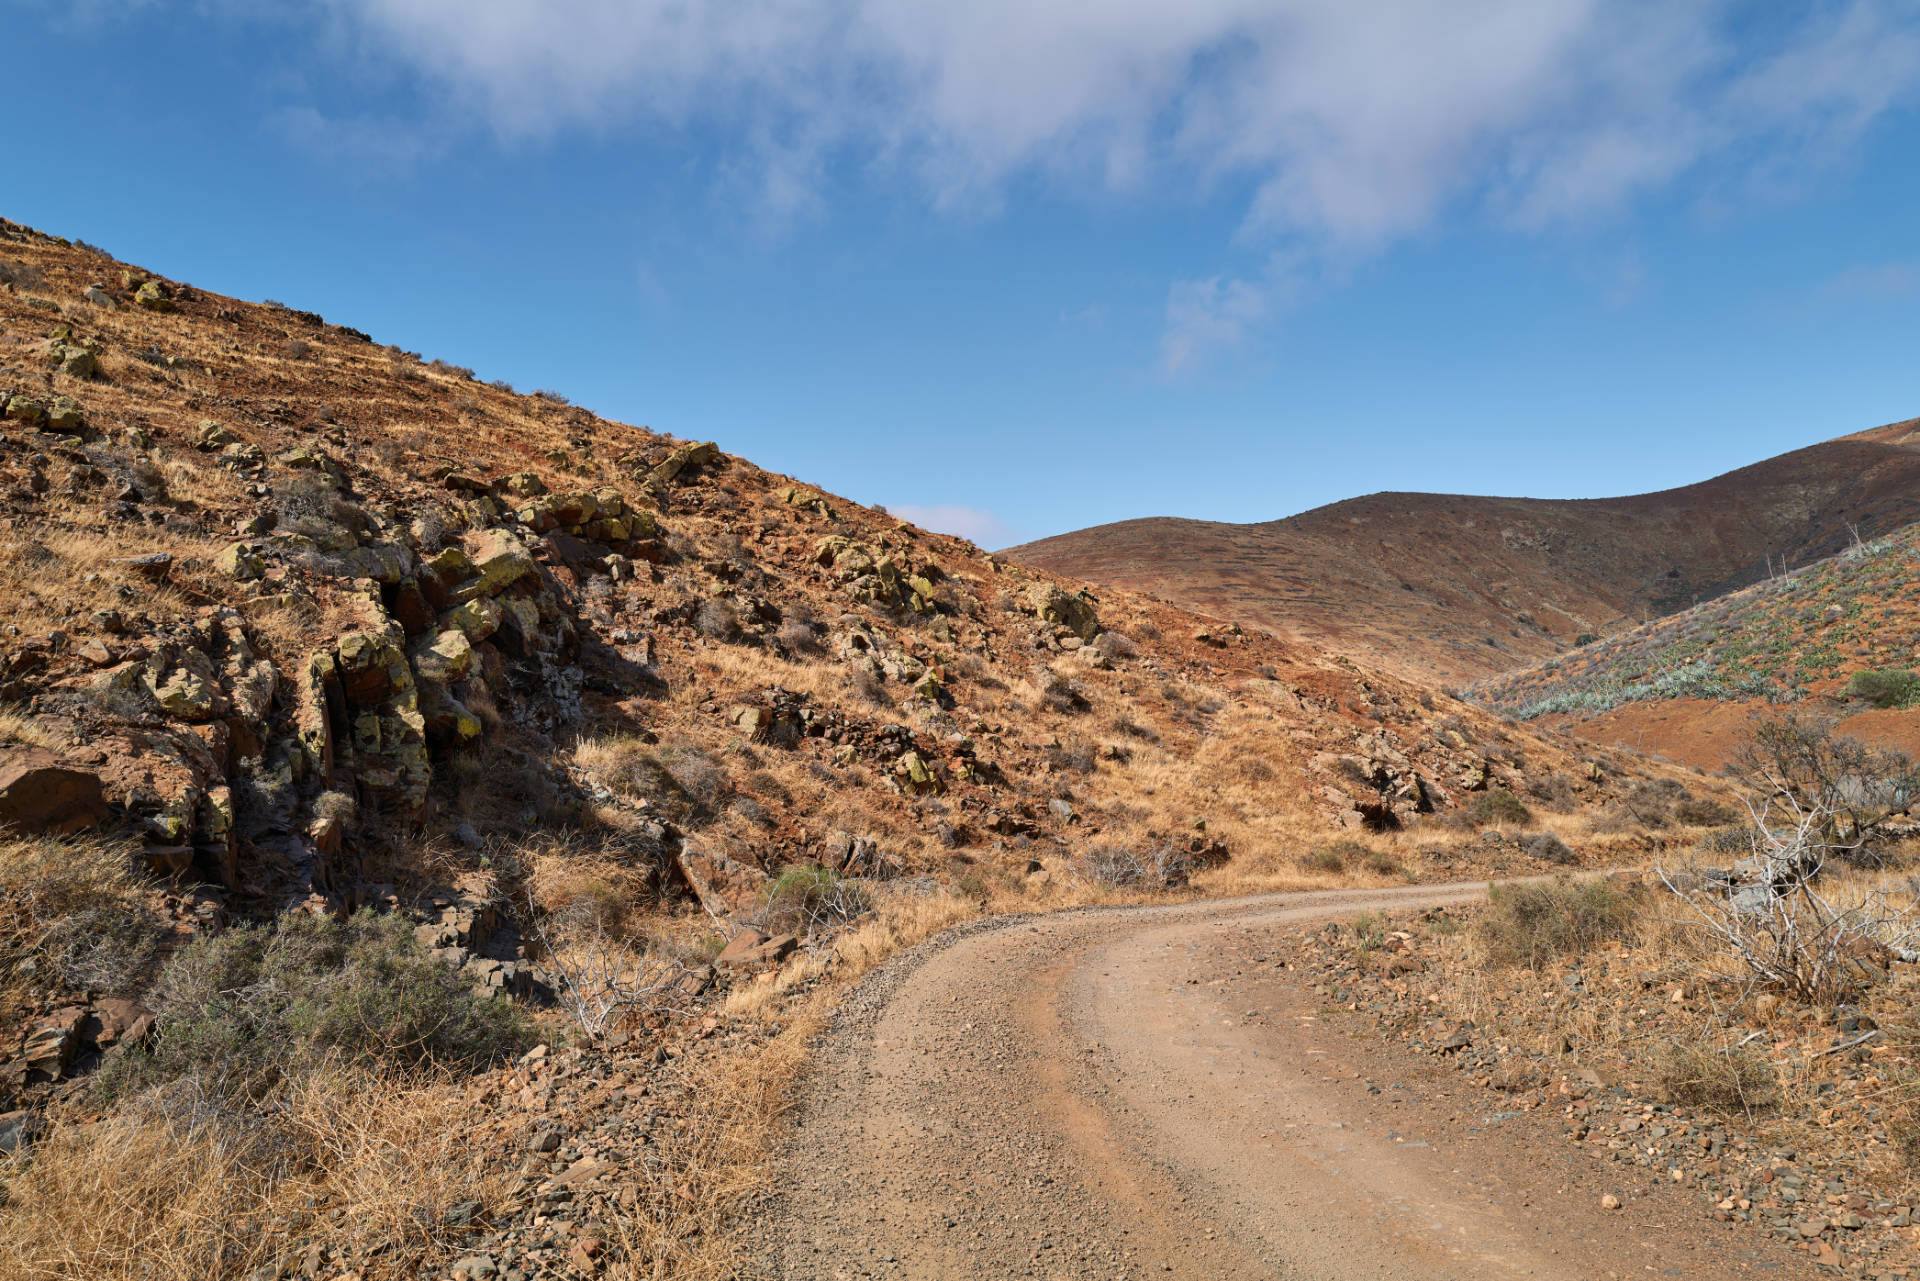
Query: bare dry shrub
1853,788
1774,920
1724,1078
1127,868
73,915
717,619
606,982
811,900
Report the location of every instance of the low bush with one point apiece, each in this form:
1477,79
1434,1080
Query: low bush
1336,856
1891,687
73,916
807,899
1125,868
250,1009
1548,848
1728,1079
1533,924
1498,805
1703,811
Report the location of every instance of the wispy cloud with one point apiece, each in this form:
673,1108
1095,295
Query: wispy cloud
1342,128
1206,316
1356,124
1880,279
982,527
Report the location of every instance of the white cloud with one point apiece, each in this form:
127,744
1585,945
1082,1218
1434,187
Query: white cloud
1341,127
1353,124
982,527
1205,315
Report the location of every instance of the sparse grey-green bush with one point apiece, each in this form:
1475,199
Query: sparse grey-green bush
242,1011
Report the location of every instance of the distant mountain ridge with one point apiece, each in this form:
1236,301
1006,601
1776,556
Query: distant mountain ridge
1459,587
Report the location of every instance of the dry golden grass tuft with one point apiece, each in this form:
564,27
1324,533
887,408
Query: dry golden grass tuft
175,1187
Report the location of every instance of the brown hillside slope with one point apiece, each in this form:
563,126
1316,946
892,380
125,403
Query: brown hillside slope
1456,587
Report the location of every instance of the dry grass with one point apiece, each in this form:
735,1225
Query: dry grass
18,728
175,1187
53,578
73,915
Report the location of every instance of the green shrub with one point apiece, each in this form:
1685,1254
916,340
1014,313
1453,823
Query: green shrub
1369,932
1498,805
1533,924
1891,687
244,1010
807,898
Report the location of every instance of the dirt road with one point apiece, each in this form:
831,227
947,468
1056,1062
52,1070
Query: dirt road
1150,1093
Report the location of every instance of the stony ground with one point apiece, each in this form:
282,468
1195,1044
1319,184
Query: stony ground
1815,1175
1157,1092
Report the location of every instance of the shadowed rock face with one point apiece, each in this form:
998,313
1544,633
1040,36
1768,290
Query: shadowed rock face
1458,587
41,793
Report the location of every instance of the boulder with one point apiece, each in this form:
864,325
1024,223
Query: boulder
41,793
64,415
25,409
685,458
99,297
1071,610
499,561
241,562
445,659
74,360
154,296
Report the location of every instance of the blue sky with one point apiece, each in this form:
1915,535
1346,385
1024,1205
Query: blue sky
1020,266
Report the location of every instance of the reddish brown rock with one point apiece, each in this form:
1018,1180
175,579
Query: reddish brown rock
40,792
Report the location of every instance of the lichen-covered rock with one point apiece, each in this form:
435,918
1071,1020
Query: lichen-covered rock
211,436
445,659
372,669
25,409
186,688
154,296
448,720
241,562
499,561
478,618
100,297
523,484
684,459
73,360
1071,610
65,415
385,563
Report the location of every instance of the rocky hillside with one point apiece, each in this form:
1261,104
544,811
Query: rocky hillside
1451,587
1842,636
292,602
